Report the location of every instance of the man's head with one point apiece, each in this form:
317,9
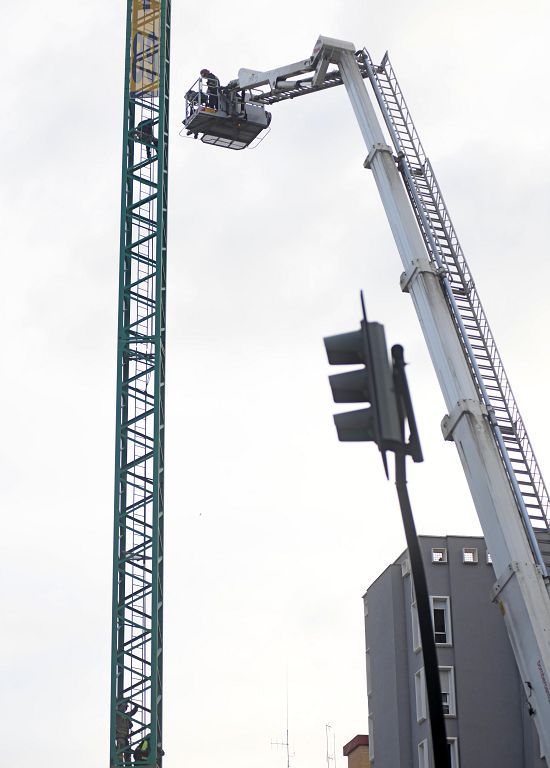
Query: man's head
204,72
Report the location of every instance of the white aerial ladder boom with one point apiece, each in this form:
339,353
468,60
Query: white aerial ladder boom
522,589
483,421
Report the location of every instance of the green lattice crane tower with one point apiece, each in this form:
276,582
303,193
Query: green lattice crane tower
136,664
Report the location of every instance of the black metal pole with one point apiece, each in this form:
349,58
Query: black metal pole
431,668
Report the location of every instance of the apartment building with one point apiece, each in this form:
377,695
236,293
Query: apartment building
486,709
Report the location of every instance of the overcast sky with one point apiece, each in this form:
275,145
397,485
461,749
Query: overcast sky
274,530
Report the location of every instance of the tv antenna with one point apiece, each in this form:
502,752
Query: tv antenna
331,746
285,742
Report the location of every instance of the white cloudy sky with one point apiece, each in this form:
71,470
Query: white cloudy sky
273,529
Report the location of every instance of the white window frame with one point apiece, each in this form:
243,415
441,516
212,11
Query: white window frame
469,555
442,601
488,558
420,695
453,744
369,678
439,555
415,624
449,674
405,567
423,754
370,721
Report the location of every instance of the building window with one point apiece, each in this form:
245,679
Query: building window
417,645
420,694
371,738
441,615
469,555
405,567
369,679
439,555
453,752
447,681
489,559
423,755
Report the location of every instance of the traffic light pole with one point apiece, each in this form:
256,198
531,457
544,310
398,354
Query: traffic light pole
429,653
385,387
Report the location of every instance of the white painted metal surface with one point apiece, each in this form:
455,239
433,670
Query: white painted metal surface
521,591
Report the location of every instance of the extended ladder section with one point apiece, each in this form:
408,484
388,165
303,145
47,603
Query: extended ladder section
445,253
136,671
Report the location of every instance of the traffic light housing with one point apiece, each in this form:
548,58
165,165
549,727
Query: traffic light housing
373,383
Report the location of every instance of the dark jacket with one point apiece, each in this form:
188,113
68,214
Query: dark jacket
212,84
124,722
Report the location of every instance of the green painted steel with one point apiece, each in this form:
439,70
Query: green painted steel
138,553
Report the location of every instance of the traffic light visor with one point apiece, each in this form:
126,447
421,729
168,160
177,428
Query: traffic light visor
350,387
355,426
345,348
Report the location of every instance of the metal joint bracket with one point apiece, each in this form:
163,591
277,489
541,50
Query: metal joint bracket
378,147
463,407
511,571
499,585
417,268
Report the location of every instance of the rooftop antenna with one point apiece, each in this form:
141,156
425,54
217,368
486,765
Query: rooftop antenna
331,745
285,743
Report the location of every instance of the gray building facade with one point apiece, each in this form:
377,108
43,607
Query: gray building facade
486,711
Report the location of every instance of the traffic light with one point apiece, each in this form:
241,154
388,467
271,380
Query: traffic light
374,384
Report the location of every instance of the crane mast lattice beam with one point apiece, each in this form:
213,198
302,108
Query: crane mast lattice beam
137,610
